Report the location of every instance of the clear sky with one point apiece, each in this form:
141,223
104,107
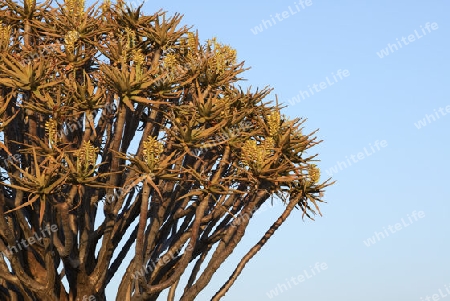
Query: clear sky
376,69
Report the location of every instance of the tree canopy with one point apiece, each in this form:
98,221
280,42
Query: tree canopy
125,135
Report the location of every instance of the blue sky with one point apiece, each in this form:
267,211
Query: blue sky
385,94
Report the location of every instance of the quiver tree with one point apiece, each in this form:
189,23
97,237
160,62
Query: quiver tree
128,138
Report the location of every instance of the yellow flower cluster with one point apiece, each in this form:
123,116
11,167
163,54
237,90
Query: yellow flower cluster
170,61
51,128
314,173
75,8
70,39
191,41
220,56
86,156
152,150
138,57
131,38
105,5
223,55
171,64
128,42
251,154
274,121
30,3
269,144
5,33
254,154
